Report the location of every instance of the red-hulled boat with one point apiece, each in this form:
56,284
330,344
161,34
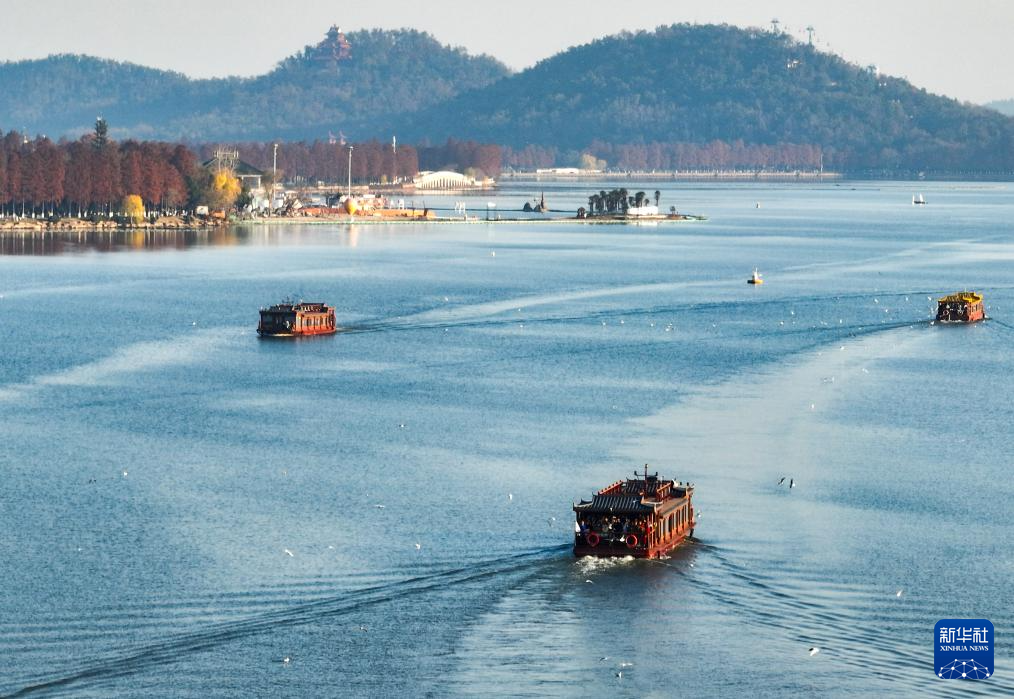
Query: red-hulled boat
642,517
292,319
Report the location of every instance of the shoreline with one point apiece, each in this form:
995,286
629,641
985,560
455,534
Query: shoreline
76,225
400,220
35,227
347,221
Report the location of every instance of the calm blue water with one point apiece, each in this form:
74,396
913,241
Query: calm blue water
185,505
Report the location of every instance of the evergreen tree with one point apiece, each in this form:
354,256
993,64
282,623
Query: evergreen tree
100,138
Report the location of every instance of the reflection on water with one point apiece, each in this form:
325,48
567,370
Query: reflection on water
62,242
68,242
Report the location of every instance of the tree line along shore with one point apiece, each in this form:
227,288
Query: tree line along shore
96,182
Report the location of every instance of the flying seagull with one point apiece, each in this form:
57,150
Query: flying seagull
792,483
781,480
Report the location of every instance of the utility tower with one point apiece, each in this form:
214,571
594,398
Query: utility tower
774,25
225,160
809,34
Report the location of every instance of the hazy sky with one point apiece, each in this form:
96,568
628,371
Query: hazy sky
961,49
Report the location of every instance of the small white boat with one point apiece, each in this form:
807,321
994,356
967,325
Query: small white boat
918,200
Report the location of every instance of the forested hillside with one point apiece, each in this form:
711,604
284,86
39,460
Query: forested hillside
319,90
697,85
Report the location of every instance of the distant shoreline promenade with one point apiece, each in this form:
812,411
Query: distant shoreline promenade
567,174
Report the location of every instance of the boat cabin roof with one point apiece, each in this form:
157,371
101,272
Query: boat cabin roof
302,307
615,505
639,495
961,297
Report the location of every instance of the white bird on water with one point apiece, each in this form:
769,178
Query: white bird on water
510,497
418,546
288,552
285,660
898,593
814,651
124,473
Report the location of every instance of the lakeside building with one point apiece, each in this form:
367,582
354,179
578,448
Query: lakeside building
448,180
249,176
643,210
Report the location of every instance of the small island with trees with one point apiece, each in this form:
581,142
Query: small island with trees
621,205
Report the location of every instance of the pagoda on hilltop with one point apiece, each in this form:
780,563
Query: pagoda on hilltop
334,48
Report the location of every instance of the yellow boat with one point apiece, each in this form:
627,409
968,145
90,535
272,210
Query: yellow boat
756,278
960,307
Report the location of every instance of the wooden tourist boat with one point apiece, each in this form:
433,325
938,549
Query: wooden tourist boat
960,307
296,319
643,516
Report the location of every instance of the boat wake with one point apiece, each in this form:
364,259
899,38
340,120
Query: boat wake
169,650
807,619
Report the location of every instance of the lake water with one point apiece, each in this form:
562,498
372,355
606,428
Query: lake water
185,505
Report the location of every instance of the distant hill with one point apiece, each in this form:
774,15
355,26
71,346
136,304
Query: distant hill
320,89
1003,106
679,95
695,84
